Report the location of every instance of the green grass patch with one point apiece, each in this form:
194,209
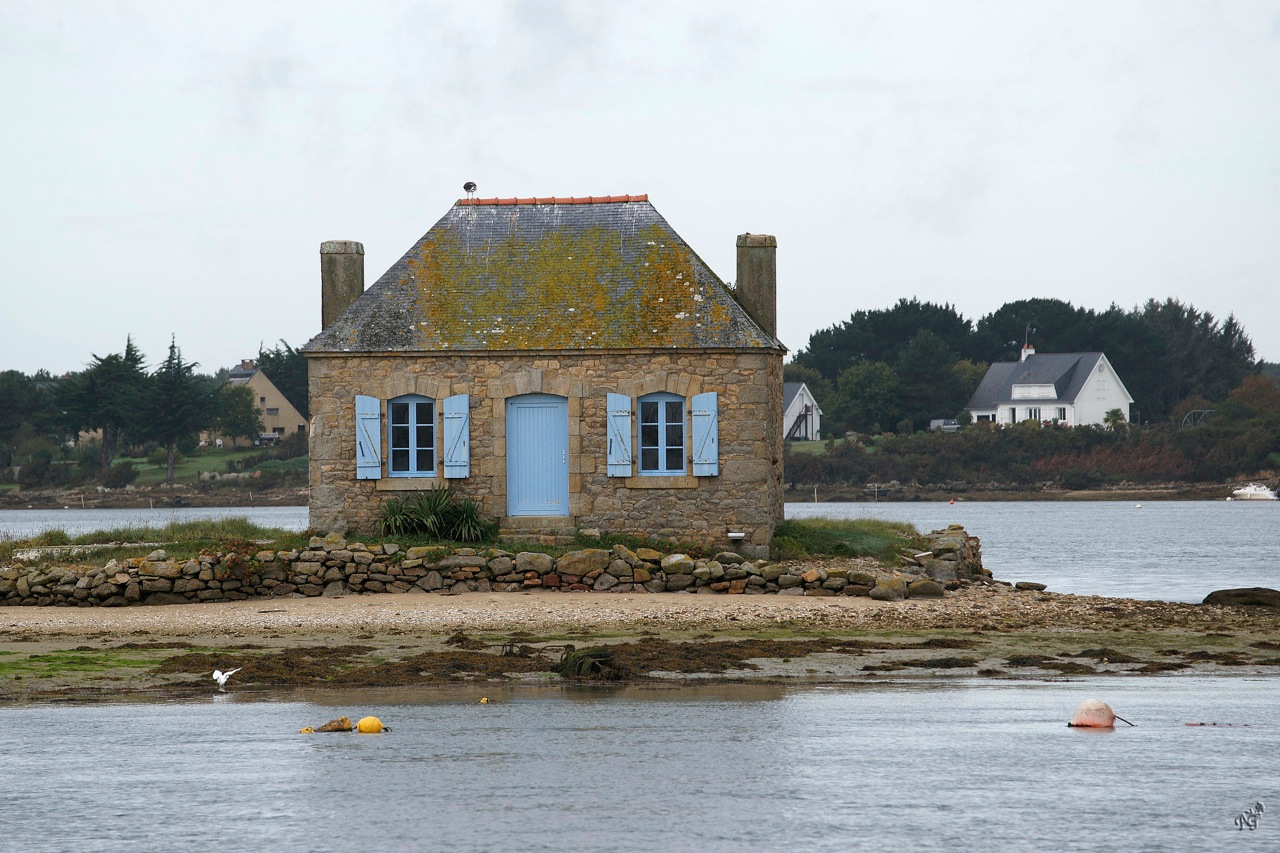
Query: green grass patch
72,661
188,470
198,530
807,448
796,539
181,539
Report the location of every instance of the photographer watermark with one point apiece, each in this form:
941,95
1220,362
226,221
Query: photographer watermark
1248,819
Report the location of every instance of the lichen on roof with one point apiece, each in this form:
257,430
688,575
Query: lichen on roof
545,277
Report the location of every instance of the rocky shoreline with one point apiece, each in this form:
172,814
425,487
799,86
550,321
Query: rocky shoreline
505,641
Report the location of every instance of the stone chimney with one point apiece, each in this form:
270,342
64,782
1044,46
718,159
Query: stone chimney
341,277
757,283
1027,351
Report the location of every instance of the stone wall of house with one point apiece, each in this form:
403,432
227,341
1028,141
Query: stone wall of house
331,566
745,497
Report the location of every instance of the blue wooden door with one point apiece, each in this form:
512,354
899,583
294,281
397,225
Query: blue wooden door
537,455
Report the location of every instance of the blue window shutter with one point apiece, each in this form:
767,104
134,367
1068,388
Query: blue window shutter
457,436
368,438
619,435
706,435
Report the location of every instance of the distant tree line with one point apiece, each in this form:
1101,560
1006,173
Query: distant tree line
895,369
125,404
1240,439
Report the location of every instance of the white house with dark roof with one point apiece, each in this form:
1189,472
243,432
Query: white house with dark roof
568,362
1072,388
801,416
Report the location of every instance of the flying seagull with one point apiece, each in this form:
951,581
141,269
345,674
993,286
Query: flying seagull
221,677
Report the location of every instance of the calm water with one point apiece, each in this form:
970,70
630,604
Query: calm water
24,523
1173,551
967,766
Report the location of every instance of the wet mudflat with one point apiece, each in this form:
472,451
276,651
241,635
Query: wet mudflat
422,640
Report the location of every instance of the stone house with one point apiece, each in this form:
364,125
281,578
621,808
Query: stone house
1071,388
279,417
570,362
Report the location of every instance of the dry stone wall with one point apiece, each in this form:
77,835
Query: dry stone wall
332,566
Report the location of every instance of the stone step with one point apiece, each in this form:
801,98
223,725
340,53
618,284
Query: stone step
546,530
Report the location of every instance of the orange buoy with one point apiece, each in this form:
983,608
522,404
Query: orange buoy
1095,714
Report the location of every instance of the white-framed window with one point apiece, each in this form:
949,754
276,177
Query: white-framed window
662,434
412,441
1062,413
1033,413
411,436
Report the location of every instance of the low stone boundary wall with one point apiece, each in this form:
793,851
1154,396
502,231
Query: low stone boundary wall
331,566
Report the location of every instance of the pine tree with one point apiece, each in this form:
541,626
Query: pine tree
180,404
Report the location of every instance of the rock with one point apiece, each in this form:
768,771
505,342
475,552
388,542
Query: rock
675,583
788,581
889,589
857,589
605,581
678,564
728,558
1253,596
157,555
1027,586
159,598
940,570
531,561
648,555
431,581
622,552
462,562
583,562
925,589
773,571
334,589
861,579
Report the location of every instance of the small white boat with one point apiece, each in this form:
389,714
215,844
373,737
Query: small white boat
1253,492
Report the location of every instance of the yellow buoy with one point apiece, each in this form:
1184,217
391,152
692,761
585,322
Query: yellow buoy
484,700
369,725
307,730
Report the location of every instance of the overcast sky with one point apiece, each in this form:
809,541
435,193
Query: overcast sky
171,168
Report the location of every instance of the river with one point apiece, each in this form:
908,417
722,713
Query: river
946,767
1169,551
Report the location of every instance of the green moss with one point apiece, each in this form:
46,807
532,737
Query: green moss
564,290
57,663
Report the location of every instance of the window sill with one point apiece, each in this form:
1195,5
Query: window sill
677,482
410,484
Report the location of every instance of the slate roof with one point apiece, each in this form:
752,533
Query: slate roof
1067,372
789,392
545,274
